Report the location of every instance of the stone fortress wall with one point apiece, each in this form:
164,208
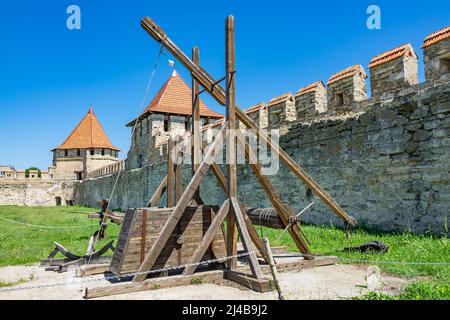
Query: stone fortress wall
385,159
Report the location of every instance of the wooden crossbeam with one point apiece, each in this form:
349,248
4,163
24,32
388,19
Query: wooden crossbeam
283,210
178,211
208,237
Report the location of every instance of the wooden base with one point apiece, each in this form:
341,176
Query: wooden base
153,284
258,285
216,276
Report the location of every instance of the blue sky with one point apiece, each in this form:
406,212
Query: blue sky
49,75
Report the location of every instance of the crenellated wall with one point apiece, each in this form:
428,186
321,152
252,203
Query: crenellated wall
385,159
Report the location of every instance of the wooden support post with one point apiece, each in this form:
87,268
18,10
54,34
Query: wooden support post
208,237
245,238
178,170
273,269
153,202
254,234
170,173
178,211
196,121
231,138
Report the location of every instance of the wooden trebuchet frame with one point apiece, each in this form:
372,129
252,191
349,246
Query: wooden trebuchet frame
231,208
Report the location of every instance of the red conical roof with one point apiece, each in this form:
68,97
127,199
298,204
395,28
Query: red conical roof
88,134
175,97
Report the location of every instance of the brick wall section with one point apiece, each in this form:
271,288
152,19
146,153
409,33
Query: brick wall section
387,166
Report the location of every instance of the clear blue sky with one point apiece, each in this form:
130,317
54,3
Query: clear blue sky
49,75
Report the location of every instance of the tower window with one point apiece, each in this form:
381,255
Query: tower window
339,99
92,152
78,152
103,152
140,161
66,153
166,122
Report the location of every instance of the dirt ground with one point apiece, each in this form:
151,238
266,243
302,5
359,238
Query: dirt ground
326,282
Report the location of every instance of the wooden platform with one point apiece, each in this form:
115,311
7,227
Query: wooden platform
141,227
285,263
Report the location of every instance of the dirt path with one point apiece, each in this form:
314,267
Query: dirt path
327,282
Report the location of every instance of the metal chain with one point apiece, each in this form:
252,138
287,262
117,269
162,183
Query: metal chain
57,284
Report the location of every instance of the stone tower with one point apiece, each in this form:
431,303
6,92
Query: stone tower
169,113
86,149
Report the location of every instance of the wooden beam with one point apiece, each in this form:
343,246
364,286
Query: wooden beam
170,173
273,268
208,238
259,285
231,137
196,121
245,238
154,200
154,284
254,234
218,93
284,212
91,269
178,170
178,211
203,277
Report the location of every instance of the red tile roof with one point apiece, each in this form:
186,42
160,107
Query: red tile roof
279,99
175,97
309,88
436,37
348,72
256,107
88,134
392,54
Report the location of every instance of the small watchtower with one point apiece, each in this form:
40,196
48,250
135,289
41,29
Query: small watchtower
86,149
169,113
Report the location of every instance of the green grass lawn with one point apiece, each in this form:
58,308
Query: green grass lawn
22,245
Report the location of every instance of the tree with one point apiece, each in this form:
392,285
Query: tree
27,172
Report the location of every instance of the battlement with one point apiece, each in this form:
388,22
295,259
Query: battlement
280,111
311,101
392,73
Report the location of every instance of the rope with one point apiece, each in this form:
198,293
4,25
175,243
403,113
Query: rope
44,226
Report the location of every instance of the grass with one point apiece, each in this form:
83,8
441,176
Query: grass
434,281
23,245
